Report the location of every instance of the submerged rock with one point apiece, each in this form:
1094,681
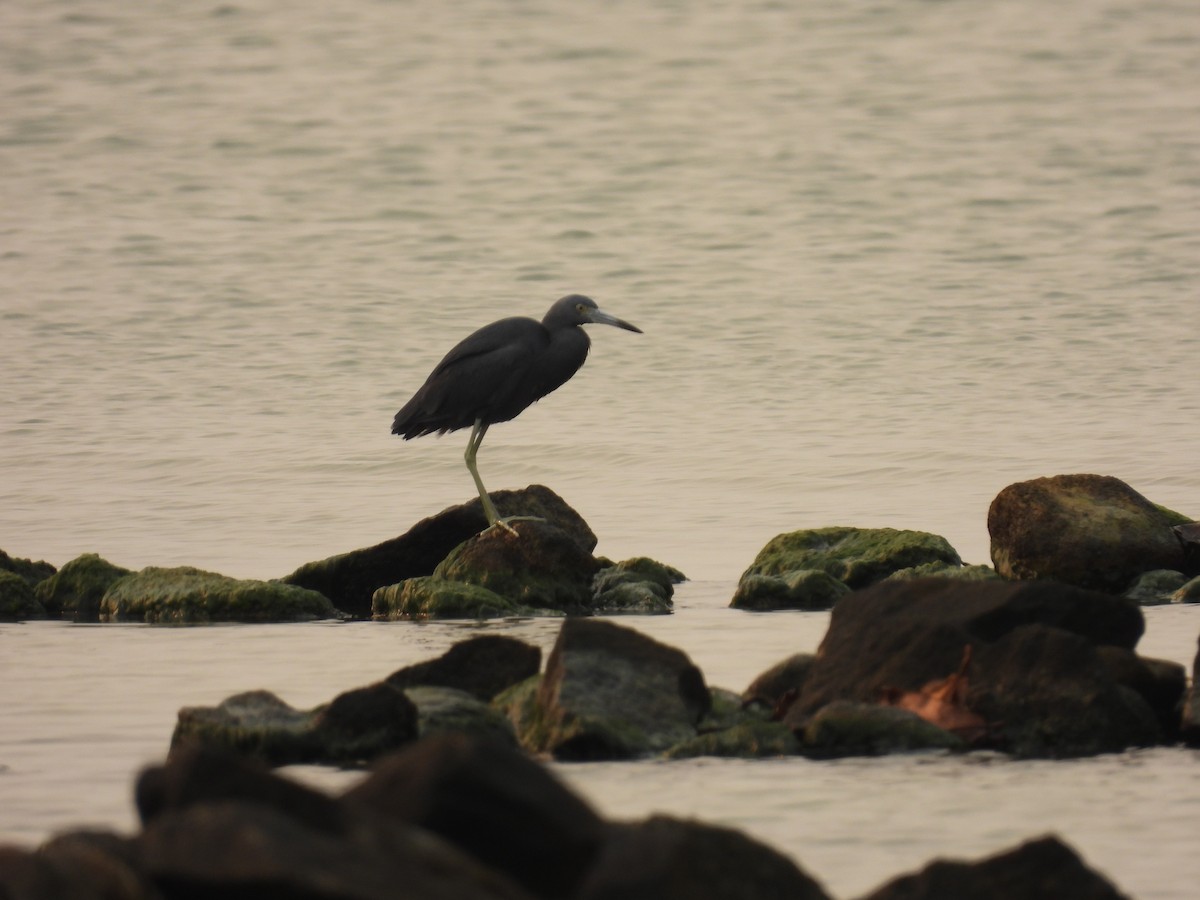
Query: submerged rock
1042,869
185,595
351,579
78,587
613,693
1091,531
639,586
857,557
811,589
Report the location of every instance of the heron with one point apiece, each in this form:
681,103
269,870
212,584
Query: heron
495,373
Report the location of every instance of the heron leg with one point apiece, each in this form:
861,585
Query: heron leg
489,508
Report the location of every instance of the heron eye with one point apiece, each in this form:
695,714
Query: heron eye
579,307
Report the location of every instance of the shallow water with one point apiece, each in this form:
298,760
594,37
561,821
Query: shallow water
887,258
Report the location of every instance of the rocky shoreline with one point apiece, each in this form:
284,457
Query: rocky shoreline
1034,657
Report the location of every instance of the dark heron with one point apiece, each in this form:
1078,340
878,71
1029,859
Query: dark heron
495,373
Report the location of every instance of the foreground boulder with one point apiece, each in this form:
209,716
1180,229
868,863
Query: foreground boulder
77,589
807,569
351,579
1043,869
612,693
185,595
1190,727
1026,657
1091,531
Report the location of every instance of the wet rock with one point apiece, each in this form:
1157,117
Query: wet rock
1155,587
1035,671
1160,682
442,710
185,595
354,727
664,858
1189,729
843,728
77,588
29,571
17,602
810,589
610,692
496,805
1043,869
782,681
1091,531
946,570
351,579
1189,593
855,556
751,739
430,597
482,666
639,586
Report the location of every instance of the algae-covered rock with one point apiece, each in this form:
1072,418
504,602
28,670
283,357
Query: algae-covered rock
185,595
639,586
17,601
431,597
351,579
354,727
1092,531
805,589
865,729
1189,593
783,680
1155,587
442,710
754,739
78,587
945,570
855,556
30,572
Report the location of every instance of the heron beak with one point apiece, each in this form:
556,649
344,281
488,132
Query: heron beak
600,317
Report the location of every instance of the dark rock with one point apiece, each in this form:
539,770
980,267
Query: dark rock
1043,869
751,739
442,710
17,600
610,692
78,587
540,566
74,866
1155,587
483,666
187,595
1035,671
30,572
1189,538
1160,682
1189,593
356,726
664,858
351,579
429,597
785,678
639,586
1189,728
495,804
811,589
868,729
946,570
1092,531
855,556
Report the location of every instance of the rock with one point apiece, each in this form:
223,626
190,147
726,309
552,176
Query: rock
1043,869
843,728
187,595
16,599
351,579
855,556
30,572
751,739
74,866
1189,537
1091,531
430,597
78,587
639,586
946,570
664,858
356,726
810,589
1189,593
1160,682
1035,672
482,666
1189,729
442,710
540,566
610,692
496,805
1154,587
784,680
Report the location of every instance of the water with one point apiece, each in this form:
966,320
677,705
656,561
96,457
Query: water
888,259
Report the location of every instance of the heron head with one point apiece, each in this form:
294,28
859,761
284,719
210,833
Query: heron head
576,309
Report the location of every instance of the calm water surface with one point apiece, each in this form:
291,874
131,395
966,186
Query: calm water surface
888,259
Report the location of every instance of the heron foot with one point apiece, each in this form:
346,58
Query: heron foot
503,523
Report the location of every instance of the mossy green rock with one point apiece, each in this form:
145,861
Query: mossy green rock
430,597
442,709
804,589
752,739
1155,587
78,587
31,572
945,570
16,599
855,556
186,595
864,729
